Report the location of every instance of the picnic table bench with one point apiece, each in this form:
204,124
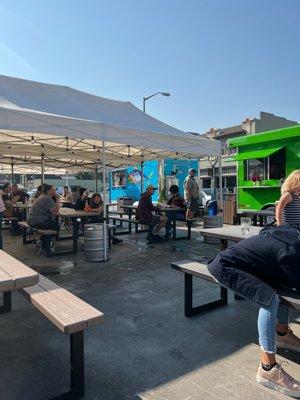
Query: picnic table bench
192,268
13,275
67,312
50,235
71,316
131,210
195,269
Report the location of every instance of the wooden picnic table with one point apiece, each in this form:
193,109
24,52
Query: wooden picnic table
229,232
74,215
24,206
14,275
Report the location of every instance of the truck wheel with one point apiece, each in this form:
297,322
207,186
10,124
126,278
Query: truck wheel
269,220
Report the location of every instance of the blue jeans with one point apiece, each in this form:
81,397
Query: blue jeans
171,215
266,324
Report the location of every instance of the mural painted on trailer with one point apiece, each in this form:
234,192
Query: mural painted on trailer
130,184
133,175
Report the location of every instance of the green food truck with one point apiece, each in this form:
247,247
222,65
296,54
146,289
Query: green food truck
264,160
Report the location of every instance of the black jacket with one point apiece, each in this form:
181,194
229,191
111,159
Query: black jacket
257,267
80,204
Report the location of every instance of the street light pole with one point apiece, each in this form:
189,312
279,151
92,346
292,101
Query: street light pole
166,94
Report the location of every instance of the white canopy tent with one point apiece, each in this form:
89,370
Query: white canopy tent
68,128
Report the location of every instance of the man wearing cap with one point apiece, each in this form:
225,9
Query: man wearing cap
145,209
191,193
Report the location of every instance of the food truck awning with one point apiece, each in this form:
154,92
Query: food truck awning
250,155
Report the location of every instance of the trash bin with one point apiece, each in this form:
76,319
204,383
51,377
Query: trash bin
212,207
94,242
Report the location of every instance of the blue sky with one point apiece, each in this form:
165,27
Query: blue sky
221,60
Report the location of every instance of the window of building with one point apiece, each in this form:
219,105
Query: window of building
205,172
229,170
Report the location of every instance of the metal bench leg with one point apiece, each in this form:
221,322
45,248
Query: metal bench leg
77,368
189,236
14,227
6,307
24,235
49,252
189,310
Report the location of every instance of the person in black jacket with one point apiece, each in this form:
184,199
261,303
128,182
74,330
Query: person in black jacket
256,268
82,200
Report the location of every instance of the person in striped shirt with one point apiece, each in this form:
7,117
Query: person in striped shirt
288,206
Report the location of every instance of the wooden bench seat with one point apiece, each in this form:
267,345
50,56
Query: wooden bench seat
13,275
70,315
47,232
23,224
27,229
135,222
194,269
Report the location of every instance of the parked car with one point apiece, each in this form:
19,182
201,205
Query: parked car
205,196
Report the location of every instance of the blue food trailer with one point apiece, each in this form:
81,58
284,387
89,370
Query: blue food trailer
126,182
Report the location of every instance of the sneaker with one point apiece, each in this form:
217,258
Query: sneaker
168,234
279,380
289,341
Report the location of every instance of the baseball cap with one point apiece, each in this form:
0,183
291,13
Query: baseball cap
151,187
193,170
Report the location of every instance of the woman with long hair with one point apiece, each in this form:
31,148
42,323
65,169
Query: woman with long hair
288,206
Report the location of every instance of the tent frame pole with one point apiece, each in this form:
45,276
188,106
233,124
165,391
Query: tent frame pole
105,216
42,169
220,181
96,177
12,171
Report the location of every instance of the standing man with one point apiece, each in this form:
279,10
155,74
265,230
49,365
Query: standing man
191,193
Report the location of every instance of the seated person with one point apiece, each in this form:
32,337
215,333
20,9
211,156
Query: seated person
75,193
83,200
256,268
145,209
177,201
9,199
22,196
67,195
96,204
42,213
